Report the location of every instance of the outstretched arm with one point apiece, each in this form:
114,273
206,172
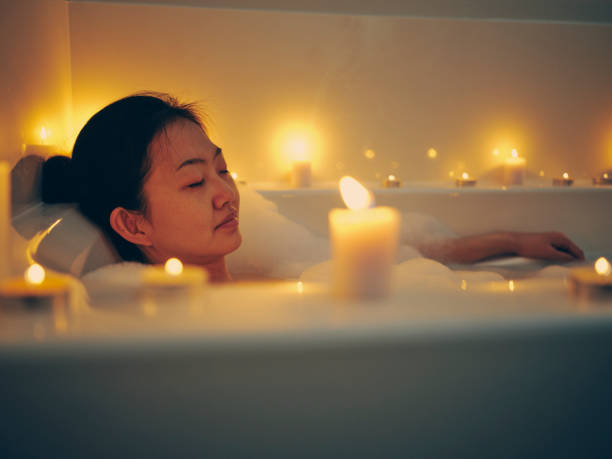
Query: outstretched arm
470,249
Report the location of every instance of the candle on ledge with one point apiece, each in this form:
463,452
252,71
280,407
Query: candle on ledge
514,169
44,148
603,179
174,277
565,180
391,182
592,282
364,243
465,180
35,289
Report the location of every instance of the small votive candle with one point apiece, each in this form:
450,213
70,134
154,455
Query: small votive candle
565,180
604,179
301,174
174,277
515,169
364,244
35,289
391,182
465,180
592,282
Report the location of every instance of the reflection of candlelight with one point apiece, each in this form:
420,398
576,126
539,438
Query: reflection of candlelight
465,180
364,243
565,180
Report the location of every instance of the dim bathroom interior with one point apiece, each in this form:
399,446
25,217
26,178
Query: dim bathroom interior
375,148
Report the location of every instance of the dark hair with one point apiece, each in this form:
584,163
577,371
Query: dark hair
111,160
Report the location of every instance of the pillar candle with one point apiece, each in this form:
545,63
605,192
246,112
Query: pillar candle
301,174
514,169
364,244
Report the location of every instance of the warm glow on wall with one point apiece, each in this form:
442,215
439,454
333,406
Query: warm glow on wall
297,142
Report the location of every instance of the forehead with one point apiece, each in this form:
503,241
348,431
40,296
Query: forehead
178,141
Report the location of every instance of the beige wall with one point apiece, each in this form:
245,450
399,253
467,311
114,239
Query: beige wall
395,85
35,79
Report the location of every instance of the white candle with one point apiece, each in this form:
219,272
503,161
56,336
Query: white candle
5,218
173,276
35,288
514,169
592,282
364,243
301,174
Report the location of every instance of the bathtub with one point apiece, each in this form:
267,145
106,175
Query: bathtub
266,370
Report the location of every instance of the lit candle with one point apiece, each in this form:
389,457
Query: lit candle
173,276
5,218
301,174
514,169
465,180
44,148
592,282
604,179
364,243
35,288
565,180
391,182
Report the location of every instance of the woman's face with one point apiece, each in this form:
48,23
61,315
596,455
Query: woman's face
192,201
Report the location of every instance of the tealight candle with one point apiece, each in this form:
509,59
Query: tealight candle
465,180
44,148
301,174
604,179
173,277
391,182
364,243
592,282
565,180
514,169
35,289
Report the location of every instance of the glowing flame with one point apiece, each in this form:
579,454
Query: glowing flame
602,267
354,194
44,134
369,153
565,175
514,153
173,266
234,175
511,286
463,284
392,177
605,175
541,173
465,176
300,287
496,152
35,274
432,153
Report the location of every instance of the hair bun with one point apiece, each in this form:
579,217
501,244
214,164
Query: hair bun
57,183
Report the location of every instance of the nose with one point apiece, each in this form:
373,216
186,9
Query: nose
224,193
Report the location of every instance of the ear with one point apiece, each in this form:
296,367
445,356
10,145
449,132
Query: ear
131,226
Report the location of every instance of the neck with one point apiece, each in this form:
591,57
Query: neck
217,270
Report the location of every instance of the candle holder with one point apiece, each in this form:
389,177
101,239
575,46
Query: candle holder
172,279
565,180
603,179
465,181
391,182
592,282
34,290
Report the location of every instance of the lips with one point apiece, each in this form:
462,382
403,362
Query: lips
229,221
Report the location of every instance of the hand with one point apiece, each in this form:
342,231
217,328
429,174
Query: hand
547,246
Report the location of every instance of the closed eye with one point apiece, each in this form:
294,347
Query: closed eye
196,184
224,172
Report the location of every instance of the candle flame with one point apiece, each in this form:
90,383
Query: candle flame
234,175
605,175
541,173
392,177
173,266
369,153
44,134
602,267
354,194
465,176
565,175
511,286
496,152
300,287
35,274
432,153
463,284
514,153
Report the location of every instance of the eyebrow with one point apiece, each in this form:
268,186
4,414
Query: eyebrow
190,161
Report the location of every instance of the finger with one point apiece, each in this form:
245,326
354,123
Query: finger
560,241
559,255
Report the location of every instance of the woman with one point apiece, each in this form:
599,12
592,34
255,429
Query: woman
144,170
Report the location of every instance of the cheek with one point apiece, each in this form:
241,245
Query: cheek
182,219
